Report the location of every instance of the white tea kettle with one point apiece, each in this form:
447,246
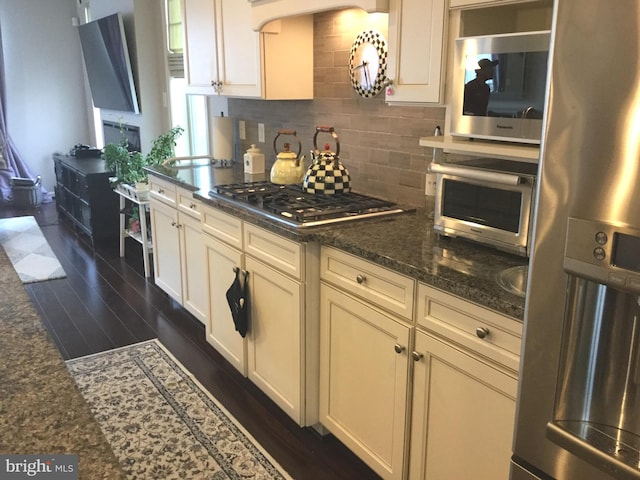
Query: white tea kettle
326,174
288,168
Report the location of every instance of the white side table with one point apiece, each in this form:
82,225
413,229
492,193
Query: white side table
129,193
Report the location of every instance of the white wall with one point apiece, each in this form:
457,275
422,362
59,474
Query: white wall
143,20
46,103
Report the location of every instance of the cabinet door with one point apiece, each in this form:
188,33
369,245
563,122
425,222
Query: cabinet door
194,289
275,340
220,260
238,51
166,249
416,40
462,415
363,380
201,44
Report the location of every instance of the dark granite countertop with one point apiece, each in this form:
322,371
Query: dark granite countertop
41,409
405,243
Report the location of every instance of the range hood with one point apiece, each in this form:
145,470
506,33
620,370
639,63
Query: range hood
263,11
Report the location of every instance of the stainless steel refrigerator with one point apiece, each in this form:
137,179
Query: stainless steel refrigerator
578,414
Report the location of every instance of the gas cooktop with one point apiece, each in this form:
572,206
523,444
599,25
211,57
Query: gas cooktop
291,205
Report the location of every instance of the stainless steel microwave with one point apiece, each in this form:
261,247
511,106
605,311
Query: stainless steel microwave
489,201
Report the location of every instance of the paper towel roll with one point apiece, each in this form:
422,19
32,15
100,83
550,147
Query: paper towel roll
221,138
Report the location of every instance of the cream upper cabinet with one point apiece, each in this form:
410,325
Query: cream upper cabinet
264,11
416,51
225,56
482,3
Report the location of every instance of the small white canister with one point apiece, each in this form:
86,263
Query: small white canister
254,160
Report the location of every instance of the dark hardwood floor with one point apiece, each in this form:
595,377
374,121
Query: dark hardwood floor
105,302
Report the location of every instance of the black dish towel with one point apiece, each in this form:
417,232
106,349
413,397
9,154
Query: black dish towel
237,298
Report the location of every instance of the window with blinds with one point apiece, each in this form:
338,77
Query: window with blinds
175,40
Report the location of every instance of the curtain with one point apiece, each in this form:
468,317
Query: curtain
11,164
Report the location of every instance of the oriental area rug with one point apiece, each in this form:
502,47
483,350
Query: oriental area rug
28,250
161,423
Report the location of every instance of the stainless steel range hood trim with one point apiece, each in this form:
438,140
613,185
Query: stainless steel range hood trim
264,11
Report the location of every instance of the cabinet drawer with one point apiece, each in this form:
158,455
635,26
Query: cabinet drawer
162,190
222,226
379,285
279,252
481,330
187,204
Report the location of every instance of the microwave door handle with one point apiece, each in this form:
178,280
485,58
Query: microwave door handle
475,174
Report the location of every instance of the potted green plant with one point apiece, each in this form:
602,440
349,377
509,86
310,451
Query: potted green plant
163,147
129,166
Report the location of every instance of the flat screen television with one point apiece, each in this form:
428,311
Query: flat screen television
500,86
106,58
114,132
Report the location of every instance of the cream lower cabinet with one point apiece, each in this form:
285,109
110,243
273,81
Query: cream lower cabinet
464,390
365,340
462,415
424,396
275,349
416,51
177,241
166,247
221,260
364,379
280,351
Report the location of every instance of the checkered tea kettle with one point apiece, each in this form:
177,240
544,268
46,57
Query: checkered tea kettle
326,174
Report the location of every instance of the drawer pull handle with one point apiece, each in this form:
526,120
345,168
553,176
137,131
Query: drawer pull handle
417,356
161,191
192,206
482,332
398,348
361,279
173,224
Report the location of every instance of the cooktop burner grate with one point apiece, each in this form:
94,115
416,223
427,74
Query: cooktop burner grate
290,204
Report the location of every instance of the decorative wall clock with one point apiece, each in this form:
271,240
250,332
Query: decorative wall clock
368,63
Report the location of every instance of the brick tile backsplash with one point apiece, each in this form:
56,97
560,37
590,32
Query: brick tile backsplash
378,143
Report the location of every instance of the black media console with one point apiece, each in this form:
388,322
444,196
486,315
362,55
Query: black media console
84,196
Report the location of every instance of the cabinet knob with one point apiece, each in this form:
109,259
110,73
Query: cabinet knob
217,86
361,279
173,224
417,356
482,332
399,348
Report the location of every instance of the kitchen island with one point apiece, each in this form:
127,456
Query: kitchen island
41,409
405,242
